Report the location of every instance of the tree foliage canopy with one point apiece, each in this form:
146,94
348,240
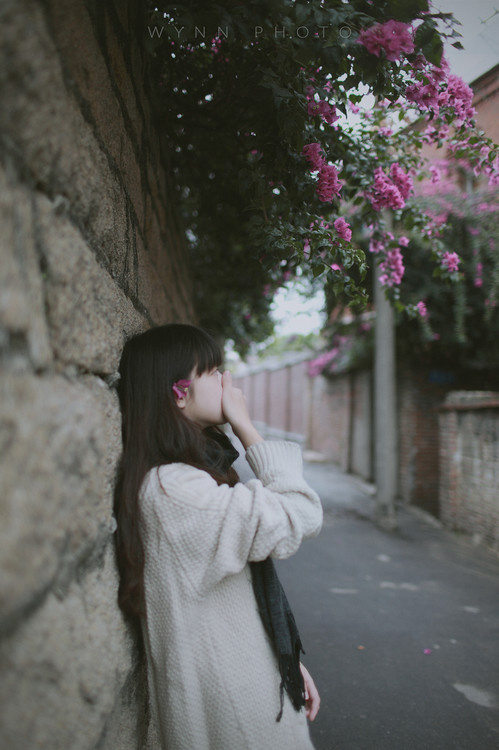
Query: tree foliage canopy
243,89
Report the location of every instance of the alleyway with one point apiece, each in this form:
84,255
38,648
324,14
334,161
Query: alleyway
401,630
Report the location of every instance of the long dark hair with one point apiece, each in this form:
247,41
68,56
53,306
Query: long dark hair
155,432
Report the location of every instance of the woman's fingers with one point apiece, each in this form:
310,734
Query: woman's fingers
312,697
233,402
236,413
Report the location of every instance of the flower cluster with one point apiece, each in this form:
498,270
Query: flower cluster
435,88
343,229
450,261
390,191
392,268
324,110
376,246
318,365
393,37
329,185
478,282
312,151
421,308
459,96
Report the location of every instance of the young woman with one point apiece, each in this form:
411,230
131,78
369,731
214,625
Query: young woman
194,548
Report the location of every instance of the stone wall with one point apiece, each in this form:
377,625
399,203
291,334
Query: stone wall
91,252
469,464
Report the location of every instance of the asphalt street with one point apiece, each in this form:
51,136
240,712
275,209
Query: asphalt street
400,628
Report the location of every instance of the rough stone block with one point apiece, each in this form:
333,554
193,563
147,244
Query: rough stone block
22,307
45,126
89,315
154,291
60,444
118,57
63,669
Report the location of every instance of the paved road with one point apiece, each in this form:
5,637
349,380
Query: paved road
401,629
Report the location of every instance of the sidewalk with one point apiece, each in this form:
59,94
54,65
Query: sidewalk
401,629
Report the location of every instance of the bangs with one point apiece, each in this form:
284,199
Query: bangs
167,353
208,353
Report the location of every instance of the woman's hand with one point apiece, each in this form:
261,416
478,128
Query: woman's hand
236,412
312,697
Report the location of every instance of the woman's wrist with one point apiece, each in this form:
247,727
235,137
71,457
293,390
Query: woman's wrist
247,434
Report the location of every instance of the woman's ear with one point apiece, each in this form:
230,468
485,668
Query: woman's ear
180,390
180,401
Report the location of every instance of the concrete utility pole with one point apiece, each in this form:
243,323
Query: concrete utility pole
385,417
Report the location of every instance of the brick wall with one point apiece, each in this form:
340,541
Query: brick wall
419,397
469,464
91,252
330,418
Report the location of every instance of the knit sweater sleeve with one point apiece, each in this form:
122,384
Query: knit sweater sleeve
213,530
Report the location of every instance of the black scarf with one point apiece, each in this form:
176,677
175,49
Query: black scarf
274,609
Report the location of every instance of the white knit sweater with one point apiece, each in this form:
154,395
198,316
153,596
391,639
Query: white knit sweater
213,677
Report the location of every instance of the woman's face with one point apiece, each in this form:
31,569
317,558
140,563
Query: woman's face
203,401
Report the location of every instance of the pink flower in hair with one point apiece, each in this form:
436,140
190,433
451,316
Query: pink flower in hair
180,388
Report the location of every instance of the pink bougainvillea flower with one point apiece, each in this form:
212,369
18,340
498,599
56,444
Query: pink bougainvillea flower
180,387
421,307
393,37
436,174
329,184
478,278
392,268
376,246
450,261
403,241
459,96
312,151
343,229
324,110
390,191
316,366
402,180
